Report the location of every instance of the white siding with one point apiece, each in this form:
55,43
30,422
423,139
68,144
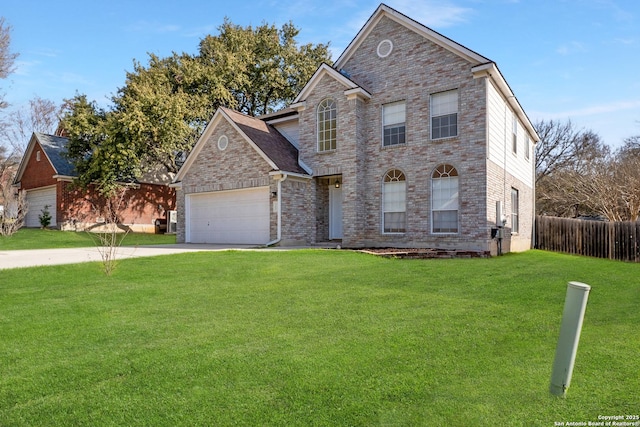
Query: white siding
500,140
290,130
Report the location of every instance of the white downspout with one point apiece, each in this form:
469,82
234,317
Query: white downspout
279,220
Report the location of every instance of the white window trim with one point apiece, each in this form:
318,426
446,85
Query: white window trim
318,127
432,116
404,102
516,212
514,133
223,142
382,44
382,210
448,233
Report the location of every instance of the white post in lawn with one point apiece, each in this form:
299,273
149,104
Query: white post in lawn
574,307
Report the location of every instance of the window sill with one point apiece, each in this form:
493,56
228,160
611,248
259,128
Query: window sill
391,147
444,138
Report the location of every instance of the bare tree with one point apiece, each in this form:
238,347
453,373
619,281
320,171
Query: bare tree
626,172
562,147
42,115
13,205
109,232
7,58
565,156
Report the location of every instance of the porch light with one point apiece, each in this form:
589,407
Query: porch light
337,183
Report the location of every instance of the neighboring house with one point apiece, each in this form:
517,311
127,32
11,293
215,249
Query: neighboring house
409,140
46,175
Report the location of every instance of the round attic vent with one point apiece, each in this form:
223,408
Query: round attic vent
223,141
384,48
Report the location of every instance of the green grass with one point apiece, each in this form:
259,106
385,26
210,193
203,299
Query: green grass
33,238
311,337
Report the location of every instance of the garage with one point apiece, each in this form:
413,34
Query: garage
37,199
229,217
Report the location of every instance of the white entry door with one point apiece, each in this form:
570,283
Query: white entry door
335,212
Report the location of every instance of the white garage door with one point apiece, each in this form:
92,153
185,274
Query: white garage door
238,216
37,200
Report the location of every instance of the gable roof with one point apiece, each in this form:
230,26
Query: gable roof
351,87
481,65
274,148
54,148
385,11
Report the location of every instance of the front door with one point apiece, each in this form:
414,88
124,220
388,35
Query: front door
335,212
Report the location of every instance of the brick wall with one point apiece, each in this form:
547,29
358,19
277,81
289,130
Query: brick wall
140,207
238,166
412,72
297,219
38,173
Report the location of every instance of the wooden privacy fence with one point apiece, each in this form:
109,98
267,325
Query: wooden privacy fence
612,240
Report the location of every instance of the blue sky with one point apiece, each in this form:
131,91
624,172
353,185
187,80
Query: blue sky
564,59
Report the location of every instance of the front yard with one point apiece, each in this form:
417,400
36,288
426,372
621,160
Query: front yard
32,238
314,337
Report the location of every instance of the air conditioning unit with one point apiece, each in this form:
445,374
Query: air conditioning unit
172,222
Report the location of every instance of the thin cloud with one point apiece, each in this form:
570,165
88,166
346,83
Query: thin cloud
611,107
437,14
434,14
626,42
571,48
49,53
152,27
23,68
617,12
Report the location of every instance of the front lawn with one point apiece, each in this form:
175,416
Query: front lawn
314,337
33,238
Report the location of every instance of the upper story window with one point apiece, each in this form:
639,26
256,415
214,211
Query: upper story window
527,147
444,114
327,124
394,202
515,134
444,199
393,123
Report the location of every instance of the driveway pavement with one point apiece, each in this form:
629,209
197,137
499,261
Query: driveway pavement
35,257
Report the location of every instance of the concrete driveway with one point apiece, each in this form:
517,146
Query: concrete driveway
36,257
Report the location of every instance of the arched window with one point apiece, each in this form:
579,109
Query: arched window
444,199
327,125
394,202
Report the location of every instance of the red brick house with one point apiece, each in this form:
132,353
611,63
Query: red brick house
409,140
46,175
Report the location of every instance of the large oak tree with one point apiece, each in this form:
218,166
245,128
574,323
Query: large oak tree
164,106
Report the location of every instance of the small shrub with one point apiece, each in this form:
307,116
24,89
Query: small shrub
45,217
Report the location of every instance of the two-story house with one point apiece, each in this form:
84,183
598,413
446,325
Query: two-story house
409,140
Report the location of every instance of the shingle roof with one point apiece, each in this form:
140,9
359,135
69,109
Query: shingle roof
271,142
55,147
